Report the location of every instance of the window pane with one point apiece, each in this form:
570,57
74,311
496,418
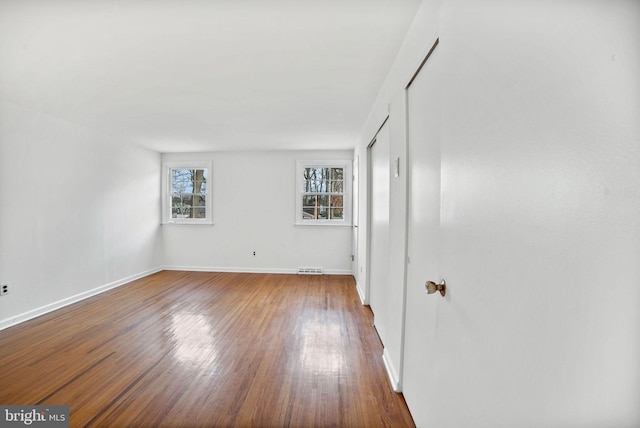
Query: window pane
188,180
323,207
188,206
318,179
199,180
337,213
315,207
182,187
307,186
181,174
310,176
337,202
308,213
337,173
336,187
309,209
323,201
199,212
178,199
324,184
181,183
181,206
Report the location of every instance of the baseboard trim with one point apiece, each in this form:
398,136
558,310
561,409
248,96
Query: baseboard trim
391,372
251,270
34,313
360,293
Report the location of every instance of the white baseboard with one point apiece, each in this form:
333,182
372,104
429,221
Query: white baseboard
391,372
34,313
251,270
360,293
228,269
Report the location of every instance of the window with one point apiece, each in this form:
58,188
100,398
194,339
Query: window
324,192
187,193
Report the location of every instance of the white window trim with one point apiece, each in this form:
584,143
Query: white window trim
347,198
166,191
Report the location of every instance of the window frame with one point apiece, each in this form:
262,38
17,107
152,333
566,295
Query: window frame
167,167
346,164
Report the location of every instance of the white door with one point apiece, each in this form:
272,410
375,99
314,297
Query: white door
423,240
379,239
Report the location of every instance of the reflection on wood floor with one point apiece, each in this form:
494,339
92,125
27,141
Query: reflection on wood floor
207,349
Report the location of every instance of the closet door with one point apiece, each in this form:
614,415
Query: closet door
379,238
423,241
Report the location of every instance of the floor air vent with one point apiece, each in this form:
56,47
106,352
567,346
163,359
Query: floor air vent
309,271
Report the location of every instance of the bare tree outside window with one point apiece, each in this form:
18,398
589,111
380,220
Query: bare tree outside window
188,193
323,193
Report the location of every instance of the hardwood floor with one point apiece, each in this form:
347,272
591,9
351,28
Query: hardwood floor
207,349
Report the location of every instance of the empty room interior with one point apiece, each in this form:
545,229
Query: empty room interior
320,213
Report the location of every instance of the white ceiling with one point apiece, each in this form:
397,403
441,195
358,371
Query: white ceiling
196,75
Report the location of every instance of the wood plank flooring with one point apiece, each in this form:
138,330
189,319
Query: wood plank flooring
183,349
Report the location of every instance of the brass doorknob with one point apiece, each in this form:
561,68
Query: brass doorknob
432,287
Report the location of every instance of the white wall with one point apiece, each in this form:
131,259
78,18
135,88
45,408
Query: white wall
79,212
254,210
540,211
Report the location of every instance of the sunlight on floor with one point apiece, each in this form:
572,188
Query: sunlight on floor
322,349
194,342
